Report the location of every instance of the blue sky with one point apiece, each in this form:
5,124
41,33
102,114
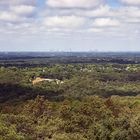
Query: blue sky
114,3
64,25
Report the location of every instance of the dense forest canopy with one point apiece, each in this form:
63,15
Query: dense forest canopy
79,101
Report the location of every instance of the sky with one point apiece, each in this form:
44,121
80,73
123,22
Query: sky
69,25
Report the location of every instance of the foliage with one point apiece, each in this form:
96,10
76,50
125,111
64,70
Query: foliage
92,118
94,102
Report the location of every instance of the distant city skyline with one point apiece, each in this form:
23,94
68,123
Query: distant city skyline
70,25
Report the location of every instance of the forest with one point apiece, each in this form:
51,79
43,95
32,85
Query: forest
69,101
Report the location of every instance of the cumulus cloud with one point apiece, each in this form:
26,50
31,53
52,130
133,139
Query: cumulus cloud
105,22
9,17
131,11
73,16
64,21
16,10
22,9
17,2
131,2
73,3
103,10
94,30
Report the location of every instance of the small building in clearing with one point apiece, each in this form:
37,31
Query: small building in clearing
39,79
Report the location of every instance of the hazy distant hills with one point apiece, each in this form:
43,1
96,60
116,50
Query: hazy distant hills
10,55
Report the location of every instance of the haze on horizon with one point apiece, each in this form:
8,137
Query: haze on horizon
69,25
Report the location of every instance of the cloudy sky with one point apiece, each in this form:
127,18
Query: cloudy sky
69,25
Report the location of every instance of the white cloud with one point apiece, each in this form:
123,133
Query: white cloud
131,2
105,22
94,30
107,11
8,17
103,10
68,16
17,2
73,3
16,11
131,11
64,21
23,9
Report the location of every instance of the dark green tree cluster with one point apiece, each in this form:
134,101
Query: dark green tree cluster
93,102
92,118
79,81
